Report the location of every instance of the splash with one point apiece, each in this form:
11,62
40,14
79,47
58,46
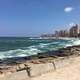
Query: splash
29,47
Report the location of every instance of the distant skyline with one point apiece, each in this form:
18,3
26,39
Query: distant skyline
34,17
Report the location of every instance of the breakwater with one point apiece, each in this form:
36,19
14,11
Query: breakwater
21,69
34,70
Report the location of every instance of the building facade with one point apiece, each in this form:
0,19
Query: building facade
74,31
62,33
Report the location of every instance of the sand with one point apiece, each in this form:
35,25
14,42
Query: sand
70,72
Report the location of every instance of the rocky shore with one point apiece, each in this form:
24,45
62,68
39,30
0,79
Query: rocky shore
12,65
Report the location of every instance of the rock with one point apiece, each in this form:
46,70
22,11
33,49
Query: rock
35,61
1,72
21,66
43,55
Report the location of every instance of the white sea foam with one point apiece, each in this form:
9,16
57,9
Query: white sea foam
76,42
42,45
18,53
73,42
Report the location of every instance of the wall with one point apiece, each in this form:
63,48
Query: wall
39,69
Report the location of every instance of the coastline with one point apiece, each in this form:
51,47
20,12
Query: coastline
10,66
68,72
55,38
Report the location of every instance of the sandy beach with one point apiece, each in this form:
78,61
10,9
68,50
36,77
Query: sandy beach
70,72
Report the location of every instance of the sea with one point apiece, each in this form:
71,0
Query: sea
26,46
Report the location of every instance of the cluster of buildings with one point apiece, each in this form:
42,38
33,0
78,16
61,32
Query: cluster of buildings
74,31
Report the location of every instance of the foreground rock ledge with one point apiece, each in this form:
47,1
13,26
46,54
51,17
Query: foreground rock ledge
38,66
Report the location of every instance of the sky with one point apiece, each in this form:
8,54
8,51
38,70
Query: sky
35,17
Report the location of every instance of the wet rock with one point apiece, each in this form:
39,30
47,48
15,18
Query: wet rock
43,55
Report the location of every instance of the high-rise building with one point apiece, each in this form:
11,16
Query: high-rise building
74,31
56,34
61,33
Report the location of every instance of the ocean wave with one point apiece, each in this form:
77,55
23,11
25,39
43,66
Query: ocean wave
18,53
41,46
76,42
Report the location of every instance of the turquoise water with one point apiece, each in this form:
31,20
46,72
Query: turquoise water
22,46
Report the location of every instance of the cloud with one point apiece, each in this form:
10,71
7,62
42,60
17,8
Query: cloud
72,24
68,9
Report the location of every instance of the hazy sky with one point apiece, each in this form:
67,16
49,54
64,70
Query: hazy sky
33,17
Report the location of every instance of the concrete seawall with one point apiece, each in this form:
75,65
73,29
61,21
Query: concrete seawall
22,75
39,69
